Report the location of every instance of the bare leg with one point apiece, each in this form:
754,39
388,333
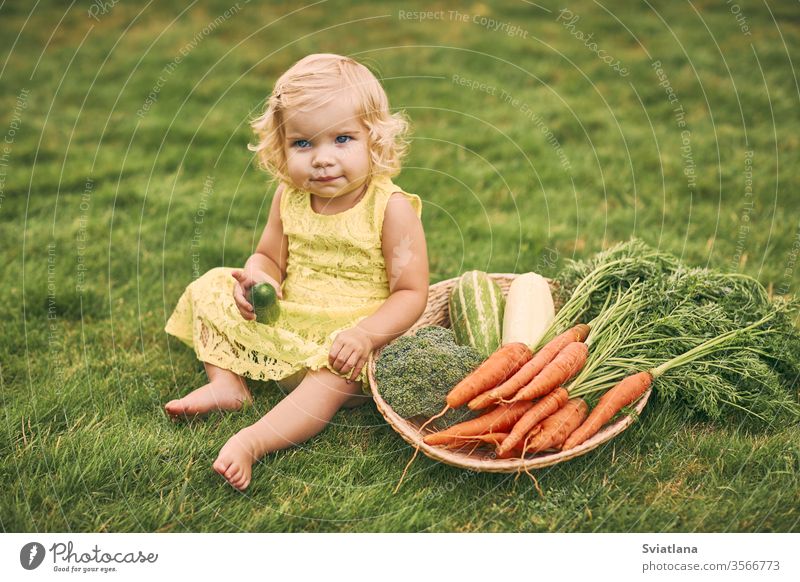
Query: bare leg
224,391
291,382
295,419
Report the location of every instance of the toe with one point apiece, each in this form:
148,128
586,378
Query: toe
244,480
231,472
220,466
178,410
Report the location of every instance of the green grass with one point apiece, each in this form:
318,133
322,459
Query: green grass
84,373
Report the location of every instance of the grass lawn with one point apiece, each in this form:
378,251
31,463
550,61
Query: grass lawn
124,174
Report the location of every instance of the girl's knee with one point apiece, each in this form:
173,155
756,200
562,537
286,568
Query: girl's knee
327,376
357,400
291,382
218,272
332,380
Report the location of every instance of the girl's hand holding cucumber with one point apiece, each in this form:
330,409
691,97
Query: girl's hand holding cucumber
253,298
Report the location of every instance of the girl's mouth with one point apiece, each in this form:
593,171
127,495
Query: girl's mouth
326,179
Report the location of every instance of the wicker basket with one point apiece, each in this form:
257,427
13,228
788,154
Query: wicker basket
469,457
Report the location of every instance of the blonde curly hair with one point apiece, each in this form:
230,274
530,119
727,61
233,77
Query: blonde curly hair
311,82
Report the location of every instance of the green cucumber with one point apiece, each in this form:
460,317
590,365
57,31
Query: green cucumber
264,300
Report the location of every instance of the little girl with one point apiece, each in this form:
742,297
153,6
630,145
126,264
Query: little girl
344,248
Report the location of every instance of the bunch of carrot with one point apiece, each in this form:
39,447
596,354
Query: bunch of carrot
533,401
530,410
651,316
522,395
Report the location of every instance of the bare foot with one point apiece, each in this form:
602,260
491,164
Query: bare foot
222,393
302,414
235,459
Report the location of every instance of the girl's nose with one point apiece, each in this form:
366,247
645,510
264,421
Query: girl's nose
321,163
322,157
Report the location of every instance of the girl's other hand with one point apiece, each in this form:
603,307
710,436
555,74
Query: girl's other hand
241,289
350,351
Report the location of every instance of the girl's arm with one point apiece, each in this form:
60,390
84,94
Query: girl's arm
406,256
268,263
272,249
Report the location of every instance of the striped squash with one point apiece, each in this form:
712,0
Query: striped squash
476,312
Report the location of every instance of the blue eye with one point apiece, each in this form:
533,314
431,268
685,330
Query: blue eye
301,143
343,138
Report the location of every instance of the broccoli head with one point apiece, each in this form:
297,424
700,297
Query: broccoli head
416,372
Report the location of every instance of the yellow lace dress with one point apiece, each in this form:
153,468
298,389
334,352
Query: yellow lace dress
335,277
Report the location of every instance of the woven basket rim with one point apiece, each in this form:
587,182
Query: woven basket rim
456,458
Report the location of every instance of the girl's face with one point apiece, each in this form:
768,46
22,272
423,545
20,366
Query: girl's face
327,149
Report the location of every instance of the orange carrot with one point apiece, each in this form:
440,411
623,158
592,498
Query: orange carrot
565,365
527,372
493,438
517,450
542,409
624,393
497,367
498,419
557,427
496,438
